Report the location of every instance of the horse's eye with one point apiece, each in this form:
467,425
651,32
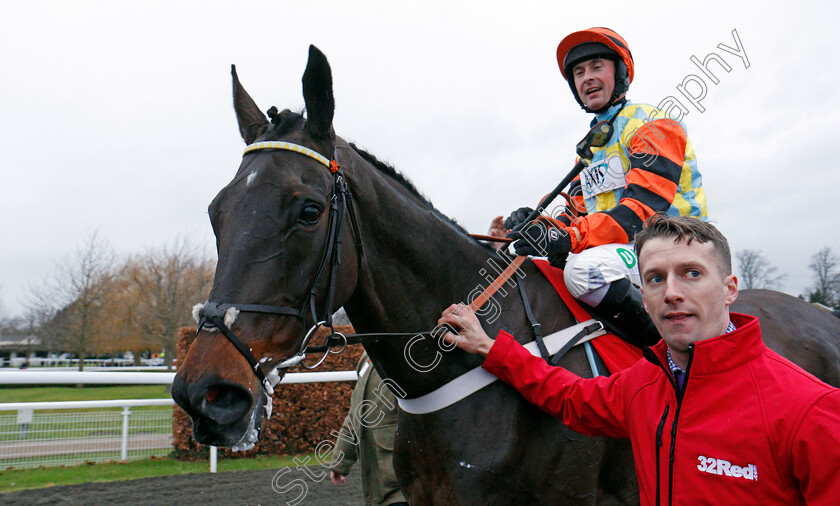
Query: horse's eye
310,213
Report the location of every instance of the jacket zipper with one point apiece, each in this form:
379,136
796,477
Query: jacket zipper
680,395
658,446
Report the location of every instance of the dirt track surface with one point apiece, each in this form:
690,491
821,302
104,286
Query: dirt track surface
234,487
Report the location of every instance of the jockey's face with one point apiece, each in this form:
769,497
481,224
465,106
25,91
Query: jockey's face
685,292
595,82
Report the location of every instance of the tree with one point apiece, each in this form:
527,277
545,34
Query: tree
756,271
164,286
120,318
42,315
70,303
824,265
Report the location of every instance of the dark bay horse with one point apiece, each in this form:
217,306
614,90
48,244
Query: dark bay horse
403,265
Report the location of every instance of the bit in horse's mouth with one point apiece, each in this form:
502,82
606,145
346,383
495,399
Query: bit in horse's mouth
252,434
238,436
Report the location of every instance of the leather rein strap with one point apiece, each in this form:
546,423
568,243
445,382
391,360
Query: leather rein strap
493,287
475,305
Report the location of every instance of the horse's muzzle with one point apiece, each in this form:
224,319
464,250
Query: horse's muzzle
223,413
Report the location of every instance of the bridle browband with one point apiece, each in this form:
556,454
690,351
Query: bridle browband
213,314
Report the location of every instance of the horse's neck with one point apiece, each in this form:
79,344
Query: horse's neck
416,263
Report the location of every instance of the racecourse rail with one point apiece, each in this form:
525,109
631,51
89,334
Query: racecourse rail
52,377
90,441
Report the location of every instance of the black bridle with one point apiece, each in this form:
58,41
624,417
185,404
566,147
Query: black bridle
212,314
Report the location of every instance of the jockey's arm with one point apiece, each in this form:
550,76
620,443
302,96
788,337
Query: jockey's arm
656,152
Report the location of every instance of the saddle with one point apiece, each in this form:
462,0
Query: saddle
616,353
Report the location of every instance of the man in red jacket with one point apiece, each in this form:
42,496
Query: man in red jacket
714,416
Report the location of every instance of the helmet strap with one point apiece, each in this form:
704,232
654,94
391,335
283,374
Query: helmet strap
614,99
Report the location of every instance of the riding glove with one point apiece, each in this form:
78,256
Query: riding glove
518,217
537,239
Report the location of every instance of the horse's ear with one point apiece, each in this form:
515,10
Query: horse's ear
252,122
318,94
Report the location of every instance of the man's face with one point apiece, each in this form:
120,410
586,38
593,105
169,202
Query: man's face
595,82
685,292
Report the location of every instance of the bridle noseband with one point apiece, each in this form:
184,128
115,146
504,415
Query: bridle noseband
213,314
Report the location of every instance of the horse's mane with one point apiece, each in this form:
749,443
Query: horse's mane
286,120
283,121
392,172
408,185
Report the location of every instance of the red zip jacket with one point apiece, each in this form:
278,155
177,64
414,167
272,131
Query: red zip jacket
750,427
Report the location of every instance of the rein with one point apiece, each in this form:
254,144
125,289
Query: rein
475,305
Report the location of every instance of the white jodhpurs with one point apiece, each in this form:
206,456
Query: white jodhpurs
589,273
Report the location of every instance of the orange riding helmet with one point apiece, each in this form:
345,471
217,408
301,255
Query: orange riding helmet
596,43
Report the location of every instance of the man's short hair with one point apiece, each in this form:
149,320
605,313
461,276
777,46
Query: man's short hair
685,228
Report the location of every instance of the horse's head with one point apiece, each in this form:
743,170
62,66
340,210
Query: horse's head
276,261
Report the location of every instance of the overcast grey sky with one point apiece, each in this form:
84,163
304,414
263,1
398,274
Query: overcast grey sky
116,116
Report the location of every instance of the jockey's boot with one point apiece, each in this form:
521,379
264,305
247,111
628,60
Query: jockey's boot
623,312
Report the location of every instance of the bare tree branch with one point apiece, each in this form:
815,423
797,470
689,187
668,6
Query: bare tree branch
756,271
166,283
68,305
826,289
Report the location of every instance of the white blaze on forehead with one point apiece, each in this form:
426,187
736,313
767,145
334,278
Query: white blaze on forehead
251,177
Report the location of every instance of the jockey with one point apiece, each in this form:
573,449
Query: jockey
647,165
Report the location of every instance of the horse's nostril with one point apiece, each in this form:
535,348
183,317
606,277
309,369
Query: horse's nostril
212,394
225,404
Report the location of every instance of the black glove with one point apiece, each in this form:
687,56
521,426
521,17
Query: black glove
537,239
518,217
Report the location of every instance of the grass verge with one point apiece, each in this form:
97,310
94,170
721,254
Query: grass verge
50,393
21,479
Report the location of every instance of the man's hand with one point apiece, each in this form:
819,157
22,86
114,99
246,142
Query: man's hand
470,336
497,229
532,240
539,240
337,479
517,217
